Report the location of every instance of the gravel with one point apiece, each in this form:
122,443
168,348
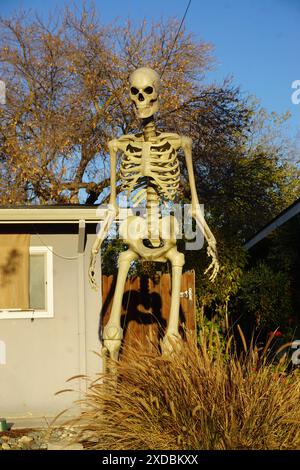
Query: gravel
38,439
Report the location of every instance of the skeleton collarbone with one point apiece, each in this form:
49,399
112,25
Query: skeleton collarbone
154,160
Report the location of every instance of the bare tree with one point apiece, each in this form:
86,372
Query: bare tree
67,96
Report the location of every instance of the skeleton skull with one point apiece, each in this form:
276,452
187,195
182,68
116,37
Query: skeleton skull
144,89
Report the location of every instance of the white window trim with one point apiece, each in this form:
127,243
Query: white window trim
14,314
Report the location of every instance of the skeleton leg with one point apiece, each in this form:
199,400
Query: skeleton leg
172,333
113,333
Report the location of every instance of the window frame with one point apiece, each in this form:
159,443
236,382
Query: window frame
14,314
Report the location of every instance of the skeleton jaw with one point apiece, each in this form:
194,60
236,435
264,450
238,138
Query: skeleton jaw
143,111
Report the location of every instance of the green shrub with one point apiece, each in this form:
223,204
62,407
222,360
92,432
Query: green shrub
265,294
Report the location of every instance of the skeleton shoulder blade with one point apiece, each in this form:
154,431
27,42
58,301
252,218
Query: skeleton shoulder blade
186,142
113,145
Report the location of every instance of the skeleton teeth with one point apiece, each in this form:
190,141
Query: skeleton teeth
141,106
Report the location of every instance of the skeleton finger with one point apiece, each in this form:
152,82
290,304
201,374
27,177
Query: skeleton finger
214,273
92,280
214,265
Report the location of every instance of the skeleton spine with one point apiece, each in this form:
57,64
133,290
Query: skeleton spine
152,201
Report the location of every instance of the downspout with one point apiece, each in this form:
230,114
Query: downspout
81,306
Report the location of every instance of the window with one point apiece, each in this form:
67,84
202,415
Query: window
40,286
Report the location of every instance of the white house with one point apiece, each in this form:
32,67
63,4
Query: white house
49,315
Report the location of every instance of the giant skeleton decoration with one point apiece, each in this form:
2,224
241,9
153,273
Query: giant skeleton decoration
150,170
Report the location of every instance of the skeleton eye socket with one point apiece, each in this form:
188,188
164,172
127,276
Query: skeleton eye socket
148,90
134,90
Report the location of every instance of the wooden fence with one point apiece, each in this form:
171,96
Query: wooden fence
146,305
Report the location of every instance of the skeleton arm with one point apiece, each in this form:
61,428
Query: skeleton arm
197,214
110,216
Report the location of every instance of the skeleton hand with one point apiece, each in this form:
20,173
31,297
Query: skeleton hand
101,235
214,265
92,280
197,214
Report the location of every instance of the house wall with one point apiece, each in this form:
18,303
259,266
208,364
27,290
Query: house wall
41,354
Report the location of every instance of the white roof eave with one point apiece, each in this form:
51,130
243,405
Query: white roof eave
48,215
277,222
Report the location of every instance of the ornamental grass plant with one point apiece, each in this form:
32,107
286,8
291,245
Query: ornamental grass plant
194,399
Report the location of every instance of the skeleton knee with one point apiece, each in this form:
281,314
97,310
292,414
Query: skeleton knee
112,340
177,259
125,257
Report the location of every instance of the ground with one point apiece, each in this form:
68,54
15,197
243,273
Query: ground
38,439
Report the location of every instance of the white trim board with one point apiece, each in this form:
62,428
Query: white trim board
46,215
277,222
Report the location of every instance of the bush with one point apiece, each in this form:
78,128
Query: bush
266,296
192,400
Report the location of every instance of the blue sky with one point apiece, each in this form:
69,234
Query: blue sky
256,41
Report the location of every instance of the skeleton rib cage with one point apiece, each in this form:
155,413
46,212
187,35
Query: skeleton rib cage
147,164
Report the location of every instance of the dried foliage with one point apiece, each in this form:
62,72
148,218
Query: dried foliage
67,96
194,400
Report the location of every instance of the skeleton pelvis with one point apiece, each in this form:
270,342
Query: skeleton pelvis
135,230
